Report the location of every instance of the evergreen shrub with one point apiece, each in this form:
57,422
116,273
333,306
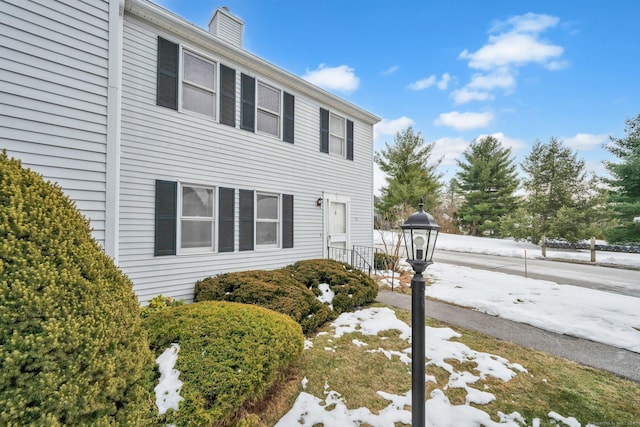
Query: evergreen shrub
72,348
230,354
352,287
272,289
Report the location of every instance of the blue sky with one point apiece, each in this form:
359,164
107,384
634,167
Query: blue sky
458,70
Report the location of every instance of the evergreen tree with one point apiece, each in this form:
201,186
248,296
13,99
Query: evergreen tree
561,201
624,195
410,176
488,181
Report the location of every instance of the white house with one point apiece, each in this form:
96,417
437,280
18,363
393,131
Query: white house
190,155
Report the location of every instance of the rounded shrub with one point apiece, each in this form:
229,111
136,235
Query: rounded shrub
272,289
352,287
72,348
230,354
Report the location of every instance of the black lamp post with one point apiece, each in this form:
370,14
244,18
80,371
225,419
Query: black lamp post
420,232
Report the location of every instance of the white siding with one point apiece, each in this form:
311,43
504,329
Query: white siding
160,143
227,27
53,95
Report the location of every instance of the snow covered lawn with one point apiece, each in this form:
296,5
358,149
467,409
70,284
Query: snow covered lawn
331,408
600,316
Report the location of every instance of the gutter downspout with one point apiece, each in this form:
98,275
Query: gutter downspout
114,121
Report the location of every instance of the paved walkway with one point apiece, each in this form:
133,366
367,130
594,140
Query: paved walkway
621,362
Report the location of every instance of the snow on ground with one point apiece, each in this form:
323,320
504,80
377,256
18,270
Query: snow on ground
587,313
511,248
331,410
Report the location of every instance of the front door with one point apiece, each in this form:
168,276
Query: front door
336,220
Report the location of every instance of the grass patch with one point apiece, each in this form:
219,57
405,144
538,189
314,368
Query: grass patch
551,383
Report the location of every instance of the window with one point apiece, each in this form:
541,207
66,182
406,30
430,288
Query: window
336,135
268,110
267,220
185,219
198,84
196,218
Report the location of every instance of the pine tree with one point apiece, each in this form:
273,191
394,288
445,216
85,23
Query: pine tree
488,181
410,176
624,195
562,201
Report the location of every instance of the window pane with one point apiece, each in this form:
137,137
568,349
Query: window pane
268,123
267,233
336,126
196,234
198,100
199,71
197,201
336,145
268,98
338,218
267,206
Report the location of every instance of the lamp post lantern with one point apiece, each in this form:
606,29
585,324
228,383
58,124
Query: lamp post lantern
420,233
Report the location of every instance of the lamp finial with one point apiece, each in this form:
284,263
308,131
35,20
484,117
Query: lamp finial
421,204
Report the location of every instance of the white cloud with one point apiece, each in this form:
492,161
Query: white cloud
464,95
423,84
379,179
464,121
449,149
585,141
444,81
527,23
390,127
390,70
512,44
512,49
341,78
556,65
481,85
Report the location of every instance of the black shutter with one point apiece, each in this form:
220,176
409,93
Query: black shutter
226,226
287,220
248,106
289,110
227,95
166,211
349,140
246,220
324,130
167,78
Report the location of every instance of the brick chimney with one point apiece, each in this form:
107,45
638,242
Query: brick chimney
226,26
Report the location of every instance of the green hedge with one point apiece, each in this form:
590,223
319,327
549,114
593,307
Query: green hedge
352,287
272,289
230,354
72,349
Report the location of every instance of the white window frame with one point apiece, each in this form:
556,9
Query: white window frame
180,217
343,136
277,114
277,221
214,91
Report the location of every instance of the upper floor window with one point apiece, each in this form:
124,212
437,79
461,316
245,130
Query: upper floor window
198,84
336,134
268,110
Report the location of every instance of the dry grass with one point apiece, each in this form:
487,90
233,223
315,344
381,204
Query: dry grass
551,384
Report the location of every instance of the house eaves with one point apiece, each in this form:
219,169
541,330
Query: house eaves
173,23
